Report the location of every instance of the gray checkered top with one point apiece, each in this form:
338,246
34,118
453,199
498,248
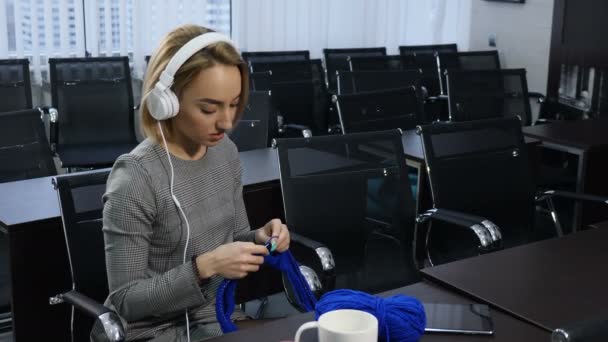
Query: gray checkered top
150,288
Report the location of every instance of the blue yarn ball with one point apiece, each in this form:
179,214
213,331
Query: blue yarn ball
400,318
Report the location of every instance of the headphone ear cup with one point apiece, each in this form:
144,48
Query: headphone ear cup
173,103
158,105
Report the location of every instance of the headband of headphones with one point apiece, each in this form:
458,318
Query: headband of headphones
187,51
162,103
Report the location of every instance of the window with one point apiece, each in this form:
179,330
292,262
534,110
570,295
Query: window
41,29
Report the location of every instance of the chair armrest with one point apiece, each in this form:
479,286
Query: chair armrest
486,231
535,95
110,321
306,132
572,195
317,256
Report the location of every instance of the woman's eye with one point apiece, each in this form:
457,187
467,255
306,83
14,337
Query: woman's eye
207,111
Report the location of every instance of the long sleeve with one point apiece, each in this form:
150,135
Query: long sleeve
129,214
242,230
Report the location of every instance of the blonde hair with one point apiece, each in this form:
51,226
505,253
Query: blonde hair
219,53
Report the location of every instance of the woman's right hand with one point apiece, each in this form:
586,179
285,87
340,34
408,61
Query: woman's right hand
231,261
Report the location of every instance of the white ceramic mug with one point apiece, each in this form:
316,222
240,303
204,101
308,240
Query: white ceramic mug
343,326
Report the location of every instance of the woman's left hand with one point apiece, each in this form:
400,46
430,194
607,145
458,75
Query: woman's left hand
276,230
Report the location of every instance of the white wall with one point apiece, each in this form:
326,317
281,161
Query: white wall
523,34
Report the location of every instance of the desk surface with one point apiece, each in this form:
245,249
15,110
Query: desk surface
583,134
549,283
506,327
35,199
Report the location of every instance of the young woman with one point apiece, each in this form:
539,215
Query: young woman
174,220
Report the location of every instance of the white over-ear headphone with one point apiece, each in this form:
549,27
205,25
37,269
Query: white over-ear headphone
162,101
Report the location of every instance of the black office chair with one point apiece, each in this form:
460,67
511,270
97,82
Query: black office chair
80,198
484,94
336,190
471,60
380,110
302,109
352,82
275,56
393,62
260,81
92,119
481,168
287,71
24,149
15,86
337,59
252,131
427,49
81,211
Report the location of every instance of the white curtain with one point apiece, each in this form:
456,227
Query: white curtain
146,22
271,25
40,29
152,19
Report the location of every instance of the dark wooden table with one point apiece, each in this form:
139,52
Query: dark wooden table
550,283
507,328
588,140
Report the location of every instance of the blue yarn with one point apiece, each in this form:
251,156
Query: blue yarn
285,262
400,318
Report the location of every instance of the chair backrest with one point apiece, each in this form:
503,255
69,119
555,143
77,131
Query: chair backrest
80,199
338,189
481,167
380,110
15,86
275,56
427,62
393,62
252,131
301,103
427,49
260,81
94,99
471,60
287,71
24,149
484,94
349,82
337,59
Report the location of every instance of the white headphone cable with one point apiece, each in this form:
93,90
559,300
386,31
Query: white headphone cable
179,207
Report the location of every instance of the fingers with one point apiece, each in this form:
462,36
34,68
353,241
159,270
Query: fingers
252,248
252,259
275,227
248,268
282,242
